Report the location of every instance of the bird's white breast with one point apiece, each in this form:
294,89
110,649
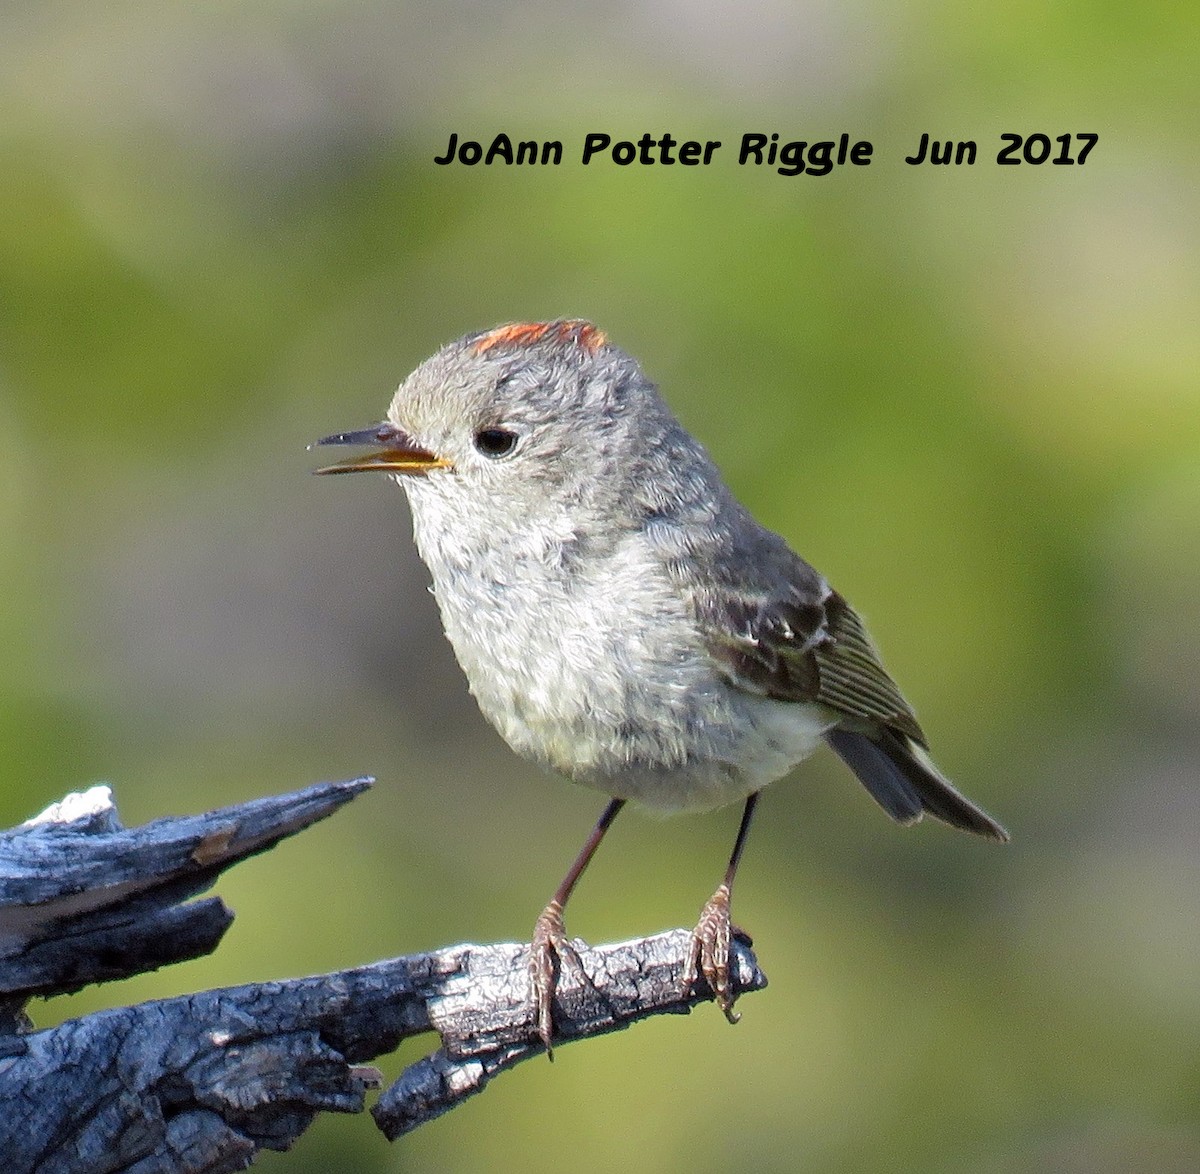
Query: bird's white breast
593,666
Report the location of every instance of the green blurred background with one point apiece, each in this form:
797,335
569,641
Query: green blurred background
969,395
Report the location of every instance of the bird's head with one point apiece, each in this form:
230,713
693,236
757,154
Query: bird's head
530,414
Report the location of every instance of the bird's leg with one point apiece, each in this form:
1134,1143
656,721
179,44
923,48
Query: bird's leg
714,931
550,935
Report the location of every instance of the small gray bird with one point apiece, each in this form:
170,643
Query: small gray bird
620,617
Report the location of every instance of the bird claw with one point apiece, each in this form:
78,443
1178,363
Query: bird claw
549,948
711,942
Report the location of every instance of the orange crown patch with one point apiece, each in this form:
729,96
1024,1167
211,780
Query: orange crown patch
518,334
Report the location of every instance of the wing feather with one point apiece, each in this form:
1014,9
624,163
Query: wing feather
799,640
805,643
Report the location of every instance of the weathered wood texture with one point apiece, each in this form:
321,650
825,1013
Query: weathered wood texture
84,900
203,1082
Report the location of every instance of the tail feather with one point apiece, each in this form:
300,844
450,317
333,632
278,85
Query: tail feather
905,783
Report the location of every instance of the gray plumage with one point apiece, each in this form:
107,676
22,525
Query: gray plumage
620,617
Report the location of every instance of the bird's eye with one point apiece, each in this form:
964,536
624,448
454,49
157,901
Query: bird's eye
495,442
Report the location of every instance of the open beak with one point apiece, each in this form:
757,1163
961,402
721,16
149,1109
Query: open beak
397,453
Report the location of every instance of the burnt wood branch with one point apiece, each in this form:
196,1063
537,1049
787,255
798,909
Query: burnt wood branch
201,1083
84,899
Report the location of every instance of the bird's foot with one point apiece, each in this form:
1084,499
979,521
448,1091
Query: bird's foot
711,940
549,948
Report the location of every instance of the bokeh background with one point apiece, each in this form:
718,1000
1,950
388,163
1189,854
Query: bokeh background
969,395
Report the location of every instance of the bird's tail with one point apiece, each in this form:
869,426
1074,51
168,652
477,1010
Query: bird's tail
904,782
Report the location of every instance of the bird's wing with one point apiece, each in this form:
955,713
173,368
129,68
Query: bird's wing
802,642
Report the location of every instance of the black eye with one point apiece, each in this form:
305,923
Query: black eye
495,442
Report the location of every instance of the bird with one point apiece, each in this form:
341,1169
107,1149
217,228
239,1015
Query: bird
621,618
